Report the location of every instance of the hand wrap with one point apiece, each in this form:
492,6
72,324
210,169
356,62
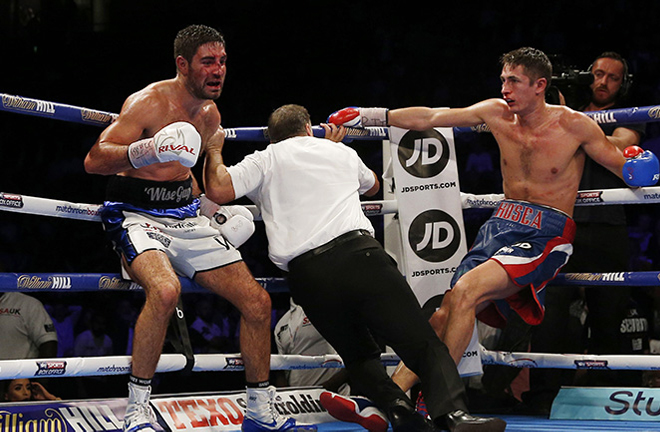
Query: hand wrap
235,223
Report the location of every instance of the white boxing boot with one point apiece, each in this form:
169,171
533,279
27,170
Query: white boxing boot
139,416
261,414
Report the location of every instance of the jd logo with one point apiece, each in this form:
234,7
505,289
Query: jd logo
434,236
423,153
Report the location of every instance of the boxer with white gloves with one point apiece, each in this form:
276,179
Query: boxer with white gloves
178,141
153,219
235,223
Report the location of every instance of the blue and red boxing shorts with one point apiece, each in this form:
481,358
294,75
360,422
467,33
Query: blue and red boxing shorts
532,243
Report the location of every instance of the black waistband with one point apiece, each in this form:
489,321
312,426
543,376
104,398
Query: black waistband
329,245
149,193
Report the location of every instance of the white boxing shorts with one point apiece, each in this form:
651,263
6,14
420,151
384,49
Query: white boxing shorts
184,235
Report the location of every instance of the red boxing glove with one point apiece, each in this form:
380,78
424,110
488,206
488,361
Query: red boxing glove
359,117
344,117
632,151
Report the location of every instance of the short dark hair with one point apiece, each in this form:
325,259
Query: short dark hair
192,37
288,121
536,63
614,56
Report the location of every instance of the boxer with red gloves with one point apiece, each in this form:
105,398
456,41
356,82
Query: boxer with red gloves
542,152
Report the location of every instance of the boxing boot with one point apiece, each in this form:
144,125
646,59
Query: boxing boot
420,406
139,416
261,414
354,409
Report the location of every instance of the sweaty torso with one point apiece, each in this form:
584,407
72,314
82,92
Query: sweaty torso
172,106
541,164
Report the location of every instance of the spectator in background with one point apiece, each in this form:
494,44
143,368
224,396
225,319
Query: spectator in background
65,318
123,324
641,234
94,342
479,173
22,389
207,336
26,329
17,390
295,334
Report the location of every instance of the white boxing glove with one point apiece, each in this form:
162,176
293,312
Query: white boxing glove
178,141
235,223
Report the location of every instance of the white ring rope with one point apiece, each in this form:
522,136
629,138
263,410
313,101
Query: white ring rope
90,212
570,361
121,365
18,203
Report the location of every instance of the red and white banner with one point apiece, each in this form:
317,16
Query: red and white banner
224,412
210,412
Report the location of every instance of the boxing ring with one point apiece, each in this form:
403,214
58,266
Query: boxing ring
119,365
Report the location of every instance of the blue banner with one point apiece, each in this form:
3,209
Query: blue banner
603,403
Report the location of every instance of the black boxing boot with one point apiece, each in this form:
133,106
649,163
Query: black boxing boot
460,421
404,418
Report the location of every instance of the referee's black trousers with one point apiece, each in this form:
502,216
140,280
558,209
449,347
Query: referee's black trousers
353,292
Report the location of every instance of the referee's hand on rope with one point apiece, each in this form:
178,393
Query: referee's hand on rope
333,132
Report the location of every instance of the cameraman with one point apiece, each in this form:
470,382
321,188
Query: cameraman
601,245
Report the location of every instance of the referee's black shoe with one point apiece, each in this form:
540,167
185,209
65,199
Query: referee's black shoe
460,421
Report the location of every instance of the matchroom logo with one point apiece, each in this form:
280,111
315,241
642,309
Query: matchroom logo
434,236
423,154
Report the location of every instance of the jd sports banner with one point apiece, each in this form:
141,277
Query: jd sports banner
431,218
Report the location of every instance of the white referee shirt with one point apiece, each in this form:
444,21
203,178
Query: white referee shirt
24,326
308,192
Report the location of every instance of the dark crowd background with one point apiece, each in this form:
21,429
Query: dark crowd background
325,56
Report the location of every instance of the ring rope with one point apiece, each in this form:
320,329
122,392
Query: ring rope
114,365
90,212
121,365
570,361
88,282
18,203
75,114
92,282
